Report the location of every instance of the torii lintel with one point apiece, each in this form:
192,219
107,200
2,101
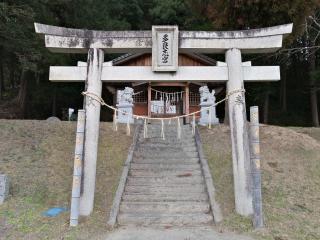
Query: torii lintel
66,40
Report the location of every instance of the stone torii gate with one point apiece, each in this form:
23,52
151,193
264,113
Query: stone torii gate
165,42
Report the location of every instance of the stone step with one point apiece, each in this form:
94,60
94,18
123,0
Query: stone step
164,146
191,219
172,189
164,207
154,151
163,167
185,185
173,125
166,140
165,143
174,148
168,155
168,136
176,151
166,160
168,127
163,181
151,151
172,156
168,130
161,173
164,197
170,152
172,132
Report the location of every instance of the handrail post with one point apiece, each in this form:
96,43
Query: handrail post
255,167
77,169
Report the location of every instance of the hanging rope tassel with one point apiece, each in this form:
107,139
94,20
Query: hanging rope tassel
128,127
115,123
178,128
162,129
209,124
193,124
145,129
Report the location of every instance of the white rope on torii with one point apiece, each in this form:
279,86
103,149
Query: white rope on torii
95,97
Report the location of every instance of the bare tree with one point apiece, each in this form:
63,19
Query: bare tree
312,33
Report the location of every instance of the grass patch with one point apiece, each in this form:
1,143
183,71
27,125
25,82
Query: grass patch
38,158
290,161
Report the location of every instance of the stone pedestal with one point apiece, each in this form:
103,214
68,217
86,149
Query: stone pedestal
205,114
125,108
4,188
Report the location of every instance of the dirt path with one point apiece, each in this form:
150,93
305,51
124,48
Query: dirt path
203,233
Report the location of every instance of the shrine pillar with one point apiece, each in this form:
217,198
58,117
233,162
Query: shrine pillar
92,109
187,102
239,134
149,99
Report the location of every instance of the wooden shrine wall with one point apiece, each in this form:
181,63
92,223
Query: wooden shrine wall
140,109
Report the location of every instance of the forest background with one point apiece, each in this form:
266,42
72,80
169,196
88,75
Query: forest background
26,93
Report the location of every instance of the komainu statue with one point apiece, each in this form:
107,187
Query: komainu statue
208,108
125,105
206,96
126,96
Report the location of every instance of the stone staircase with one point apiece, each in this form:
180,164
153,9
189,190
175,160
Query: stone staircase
165,184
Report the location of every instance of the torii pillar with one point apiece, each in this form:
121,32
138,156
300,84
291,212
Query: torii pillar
239,134
92,108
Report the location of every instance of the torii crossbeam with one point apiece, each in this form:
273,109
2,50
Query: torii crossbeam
234,73
145,73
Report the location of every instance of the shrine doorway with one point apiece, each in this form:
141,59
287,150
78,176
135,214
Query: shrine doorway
167,101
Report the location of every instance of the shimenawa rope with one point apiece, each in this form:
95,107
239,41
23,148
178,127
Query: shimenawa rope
102,102
97,98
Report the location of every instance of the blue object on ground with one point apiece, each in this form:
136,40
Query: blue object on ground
53,212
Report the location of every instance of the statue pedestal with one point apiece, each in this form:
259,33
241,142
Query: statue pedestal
122,117
204,115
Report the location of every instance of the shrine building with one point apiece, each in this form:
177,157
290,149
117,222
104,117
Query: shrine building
161,99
